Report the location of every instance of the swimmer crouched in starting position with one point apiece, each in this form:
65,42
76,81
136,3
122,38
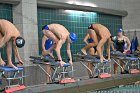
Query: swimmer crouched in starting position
100,35
10,36
59,34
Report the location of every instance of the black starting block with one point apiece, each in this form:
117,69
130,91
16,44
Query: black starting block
130,61
103,69
55,65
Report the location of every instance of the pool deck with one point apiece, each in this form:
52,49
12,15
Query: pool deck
84,84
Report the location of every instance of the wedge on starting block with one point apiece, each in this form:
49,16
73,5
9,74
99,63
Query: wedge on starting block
134,71
13,89
105,75
67,80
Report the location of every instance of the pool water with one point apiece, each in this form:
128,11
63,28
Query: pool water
120,89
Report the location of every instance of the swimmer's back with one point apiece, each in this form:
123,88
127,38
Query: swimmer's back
101,30
6,26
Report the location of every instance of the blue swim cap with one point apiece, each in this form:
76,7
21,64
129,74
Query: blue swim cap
90,40
45,27
49,43
73,37
120,30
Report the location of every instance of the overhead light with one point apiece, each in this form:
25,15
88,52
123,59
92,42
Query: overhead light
82,3
74,11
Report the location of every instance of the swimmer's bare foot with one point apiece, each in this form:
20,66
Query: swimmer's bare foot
83,51
70,62
11,65
2,63
109,59
101,60
104,58
62,63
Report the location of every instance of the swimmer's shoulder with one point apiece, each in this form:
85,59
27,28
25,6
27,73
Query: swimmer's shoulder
125,38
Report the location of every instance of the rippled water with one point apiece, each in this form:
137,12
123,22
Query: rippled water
120,89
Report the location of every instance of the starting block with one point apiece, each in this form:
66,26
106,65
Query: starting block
57,75
10,74
13,89
129,59
103,68
62,74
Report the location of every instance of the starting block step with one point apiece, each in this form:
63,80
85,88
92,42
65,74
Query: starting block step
16,78
131,58
50,63
58,64
7,69
105,75
13,89
134,71
67,80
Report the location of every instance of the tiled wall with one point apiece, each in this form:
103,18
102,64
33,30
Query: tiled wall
75,21
5,13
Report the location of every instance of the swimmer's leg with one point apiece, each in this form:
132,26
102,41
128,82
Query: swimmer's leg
9,54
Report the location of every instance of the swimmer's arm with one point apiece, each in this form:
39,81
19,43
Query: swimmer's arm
16,53
112,46
94,37
85,39
129,44
5,39
69,51
43,42
57,49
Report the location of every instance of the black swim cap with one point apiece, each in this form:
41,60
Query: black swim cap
20,42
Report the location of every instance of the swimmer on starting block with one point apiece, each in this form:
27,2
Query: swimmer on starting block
100,35
10,36
91,51
120,45
59,34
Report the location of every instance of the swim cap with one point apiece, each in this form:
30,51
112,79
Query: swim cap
120,30
73,37
113,38
20,42
49,43
45,27
90,40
